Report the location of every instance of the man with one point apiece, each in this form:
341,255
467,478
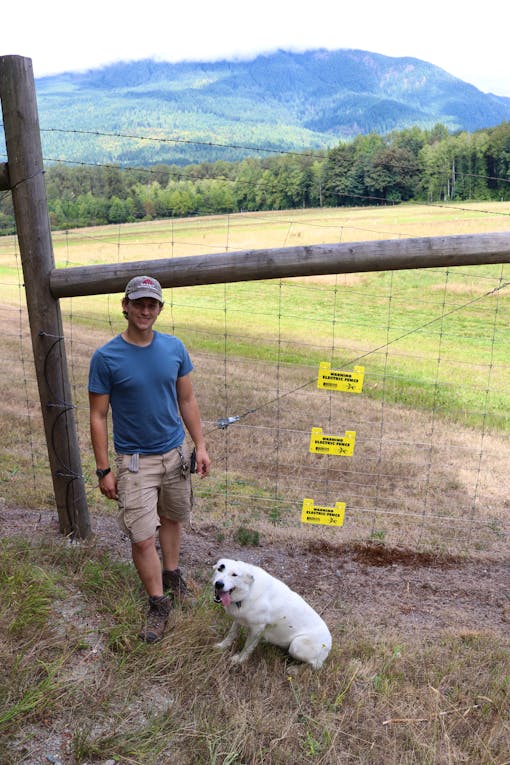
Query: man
144,376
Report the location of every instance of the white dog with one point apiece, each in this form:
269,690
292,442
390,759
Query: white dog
269,609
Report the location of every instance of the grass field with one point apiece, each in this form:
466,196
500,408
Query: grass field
413,586
431,425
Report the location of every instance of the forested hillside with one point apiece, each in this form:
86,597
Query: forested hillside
408,165
147,140
192,112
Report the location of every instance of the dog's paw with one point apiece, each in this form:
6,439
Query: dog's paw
221,646
237,658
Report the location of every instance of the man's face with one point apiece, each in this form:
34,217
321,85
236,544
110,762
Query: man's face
142,313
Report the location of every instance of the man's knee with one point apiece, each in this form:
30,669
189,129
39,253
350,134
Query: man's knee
169,523
144,545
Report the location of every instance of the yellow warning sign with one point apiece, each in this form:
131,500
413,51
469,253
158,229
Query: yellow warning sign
320,514
334,379
342,446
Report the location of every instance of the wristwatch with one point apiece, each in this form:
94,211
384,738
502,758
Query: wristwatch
101,473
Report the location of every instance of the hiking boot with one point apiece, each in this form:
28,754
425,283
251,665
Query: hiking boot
157,617
174,585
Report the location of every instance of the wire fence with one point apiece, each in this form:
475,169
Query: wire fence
350,407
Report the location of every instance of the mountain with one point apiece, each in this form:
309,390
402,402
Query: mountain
205,111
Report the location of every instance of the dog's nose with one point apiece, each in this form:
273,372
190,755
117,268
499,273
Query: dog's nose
218,585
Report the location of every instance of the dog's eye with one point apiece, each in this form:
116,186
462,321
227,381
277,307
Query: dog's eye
234,574
222,567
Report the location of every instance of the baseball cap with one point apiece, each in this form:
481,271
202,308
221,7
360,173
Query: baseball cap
144,286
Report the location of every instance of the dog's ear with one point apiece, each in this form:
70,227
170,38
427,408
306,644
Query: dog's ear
248,578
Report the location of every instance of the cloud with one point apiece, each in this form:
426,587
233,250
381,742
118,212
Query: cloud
61,37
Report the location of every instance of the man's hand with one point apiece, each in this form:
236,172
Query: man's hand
108,486
203,462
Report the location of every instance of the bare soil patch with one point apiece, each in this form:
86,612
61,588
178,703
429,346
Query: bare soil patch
392,588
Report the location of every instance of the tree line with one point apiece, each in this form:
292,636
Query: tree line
411,165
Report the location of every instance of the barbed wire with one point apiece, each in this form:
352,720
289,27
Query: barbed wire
224,423
188,141
184,175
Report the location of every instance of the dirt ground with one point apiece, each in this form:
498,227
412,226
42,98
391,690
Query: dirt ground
394,589
399,594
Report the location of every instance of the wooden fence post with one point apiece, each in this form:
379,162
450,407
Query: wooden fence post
26,181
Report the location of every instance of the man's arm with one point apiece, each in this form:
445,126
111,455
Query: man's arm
188,407
99,404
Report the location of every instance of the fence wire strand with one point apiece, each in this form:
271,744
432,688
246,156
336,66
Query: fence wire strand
415,478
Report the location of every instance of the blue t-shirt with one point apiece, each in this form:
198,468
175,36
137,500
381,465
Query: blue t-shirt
141,383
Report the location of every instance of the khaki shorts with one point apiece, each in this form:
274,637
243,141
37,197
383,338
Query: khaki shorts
157,489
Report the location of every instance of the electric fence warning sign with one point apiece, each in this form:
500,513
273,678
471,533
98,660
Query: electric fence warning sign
334,379
340,446
320,514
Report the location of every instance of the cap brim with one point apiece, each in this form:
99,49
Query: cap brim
144,294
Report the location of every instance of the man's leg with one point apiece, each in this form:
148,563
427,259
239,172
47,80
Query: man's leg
174,508
147,563
138,505
170,535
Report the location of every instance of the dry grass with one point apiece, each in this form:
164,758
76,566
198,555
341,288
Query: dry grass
78,685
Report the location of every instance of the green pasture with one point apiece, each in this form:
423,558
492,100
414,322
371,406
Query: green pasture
432,349
428,338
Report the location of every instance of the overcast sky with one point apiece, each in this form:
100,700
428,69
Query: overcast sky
61,36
